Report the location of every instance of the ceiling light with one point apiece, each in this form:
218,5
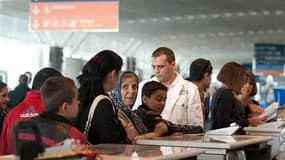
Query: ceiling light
278,12
231,33
215,15
142,20
166,18
202,35
178,18
190,17
228,14
240,14
266,12
212,34
250,32
154,19
252,13
221,34
203,16
130,21
240,33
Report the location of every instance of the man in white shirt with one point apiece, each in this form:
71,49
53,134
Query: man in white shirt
183,104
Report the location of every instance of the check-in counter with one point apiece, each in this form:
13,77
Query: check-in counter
276,133
216,147
145,152
135,152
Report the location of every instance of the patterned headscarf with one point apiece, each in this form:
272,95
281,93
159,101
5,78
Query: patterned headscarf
117,100
116,92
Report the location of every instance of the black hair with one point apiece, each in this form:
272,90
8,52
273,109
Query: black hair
92,77
150,87
198,68
23,79
42,75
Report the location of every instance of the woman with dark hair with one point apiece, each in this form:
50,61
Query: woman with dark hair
99,76
4,99
252,109
226,108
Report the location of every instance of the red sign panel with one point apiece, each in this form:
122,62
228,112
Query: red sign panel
74,15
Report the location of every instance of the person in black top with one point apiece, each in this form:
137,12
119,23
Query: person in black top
4,99
226,108
99,76
19,93
252,109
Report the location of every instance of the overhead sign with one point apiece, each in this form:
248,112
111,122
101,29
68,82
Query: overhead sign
89,15
269,58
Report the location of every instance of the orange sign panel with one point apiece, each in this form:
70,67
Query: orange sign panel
75,15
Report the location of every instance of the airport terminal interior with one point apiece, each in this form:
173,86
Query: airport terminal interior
249,32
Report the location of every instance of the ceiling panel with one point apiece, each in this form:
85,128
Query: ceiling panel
217,30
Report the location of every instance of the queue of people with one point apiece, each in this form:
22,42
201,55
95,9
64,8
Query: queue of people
111,106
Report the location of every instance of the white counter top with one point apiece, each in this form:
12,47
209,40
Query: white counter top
212,144
144,152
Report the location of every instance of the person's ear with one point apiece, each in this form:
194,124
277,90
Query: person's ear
63,107
207,75
111,75
144,99
114,74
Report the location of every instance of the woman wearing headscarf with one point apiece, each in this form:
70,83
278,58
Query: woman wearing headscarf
124,96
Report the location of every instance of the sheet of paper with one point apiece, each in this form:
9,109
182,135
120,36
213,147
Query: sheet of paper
223,131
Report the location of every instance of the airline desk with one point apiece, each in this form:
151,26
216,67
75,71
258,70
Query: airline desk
221,146
145,152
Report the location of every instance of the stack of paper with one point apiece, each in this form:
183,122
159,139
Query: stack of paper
272,125
223,131
271,111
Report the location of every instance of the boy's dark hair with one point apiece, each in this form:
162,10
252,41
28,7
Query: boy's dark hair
150,87
42,75
198,68
57,90
164,51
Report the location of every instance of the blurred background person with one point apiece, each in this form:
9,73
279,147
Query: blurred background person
4,99
208,100
200,72
251,107
30,76
19,93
